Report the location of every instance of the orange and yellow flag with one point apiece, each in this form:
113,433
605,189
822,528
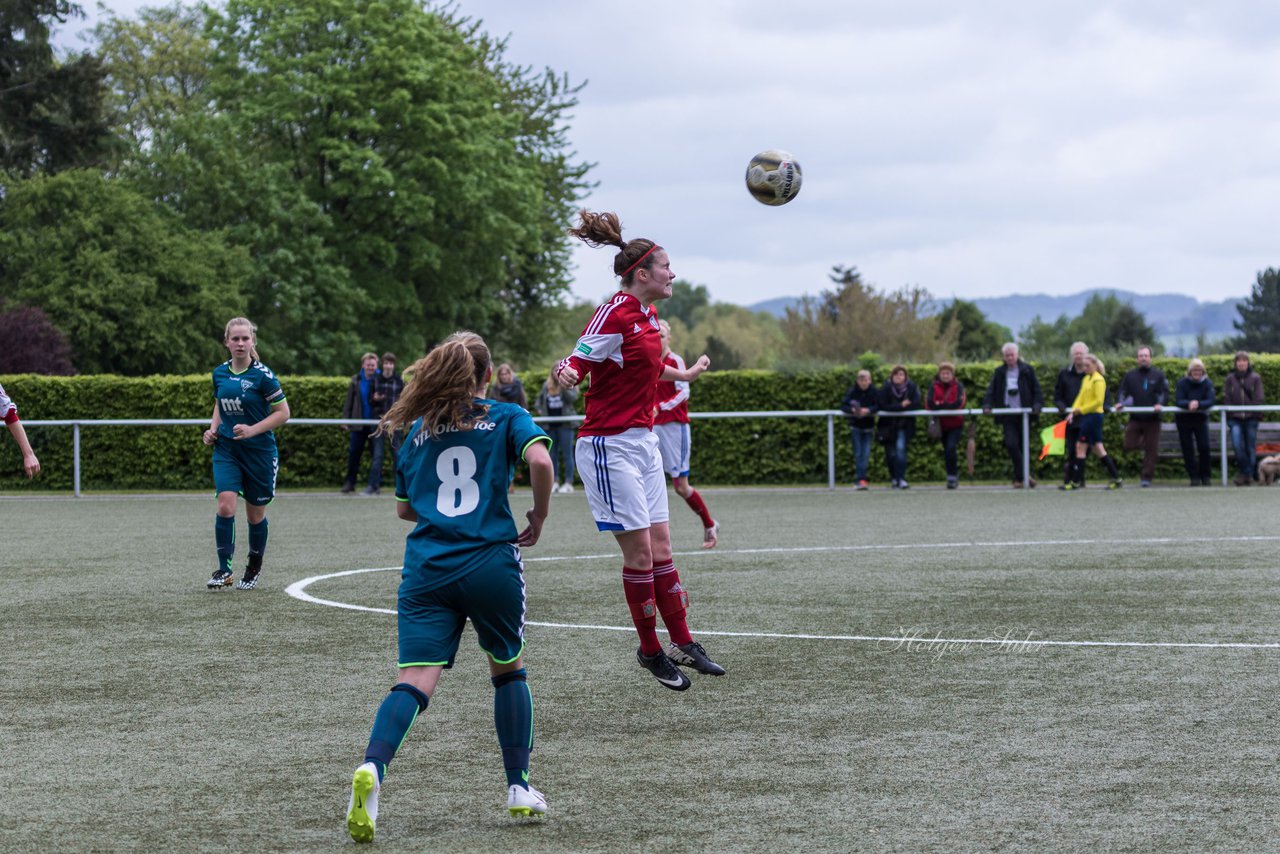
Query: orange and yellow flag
1054,440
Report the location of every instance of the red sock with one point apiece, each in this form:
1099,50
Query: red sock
673,602
694,500
637,586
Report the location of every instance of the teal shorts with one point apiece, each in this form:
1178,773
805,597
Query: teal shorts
247,471
492,597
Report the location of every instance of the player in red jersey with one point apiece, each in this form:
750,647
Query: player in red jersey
617,452
671,425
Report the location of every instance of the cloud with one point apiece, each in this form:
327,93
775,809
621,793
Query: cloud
974,149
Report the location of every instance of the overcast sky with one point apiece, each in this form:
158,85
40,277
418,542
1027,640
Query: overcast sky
974,149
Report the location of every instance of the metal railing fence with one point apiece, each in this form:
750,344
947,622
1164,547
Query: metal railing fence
831,415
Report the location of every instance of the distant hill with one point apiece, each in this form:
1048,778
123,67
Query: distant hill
1176,318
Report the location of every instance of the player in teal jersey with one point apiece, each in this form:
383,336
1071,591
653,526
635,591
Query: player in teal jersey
248,405
461,560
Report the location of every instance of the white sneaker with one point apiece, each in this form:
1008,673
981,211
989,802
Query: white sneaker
529,802
555,487
568,488
711,535
362,810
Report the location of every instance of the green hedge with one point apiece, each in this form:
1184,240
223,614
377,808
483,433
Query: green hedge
726,451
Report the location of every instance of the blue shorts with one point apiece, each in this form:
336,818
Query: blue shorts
1091,428
248,471
493,597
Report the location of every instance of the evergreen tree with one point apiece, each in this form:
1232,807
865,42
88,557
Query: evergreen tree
1259,323
52,114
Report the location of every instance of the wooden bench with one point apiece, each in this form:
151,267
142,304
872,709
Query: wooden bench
1171,447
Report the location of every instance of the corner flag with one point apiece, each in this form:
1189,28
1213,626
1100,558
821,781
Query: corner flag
1054,439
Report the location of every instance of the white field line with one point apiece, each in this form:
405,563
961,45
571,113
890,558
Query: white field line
909,638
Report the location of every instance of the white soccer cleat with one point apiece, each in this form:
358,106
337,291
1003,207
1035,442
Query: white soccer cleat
529,803
711,535
362,810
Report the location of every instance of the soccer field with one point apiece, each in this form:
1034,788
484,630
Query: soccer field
926,670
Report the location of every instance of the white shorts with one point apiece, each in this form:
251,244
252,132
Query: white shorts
623,479
673,443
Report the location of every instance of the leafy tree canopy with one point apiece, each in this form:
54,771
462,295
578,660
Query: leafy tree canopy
135,290
979,338
842,323
32,344
1106,323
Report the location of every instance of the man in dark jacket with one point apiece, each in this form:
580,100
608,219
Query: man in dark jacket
1144,386
1014,386
359,404
386,391
1064,395
861,403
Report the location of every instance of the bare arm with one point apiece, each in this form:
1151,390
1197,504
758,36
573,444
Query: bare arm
405,511
689,374
211,435
30,464
541,476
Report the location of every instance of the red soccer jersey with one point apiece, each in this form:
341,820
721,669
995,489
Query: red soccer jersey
672,396
621,350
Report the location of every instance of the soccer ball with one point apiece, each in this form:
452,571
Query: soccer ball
773,177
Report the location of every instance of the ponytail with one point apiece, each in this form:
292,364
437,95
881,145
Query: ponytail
442,386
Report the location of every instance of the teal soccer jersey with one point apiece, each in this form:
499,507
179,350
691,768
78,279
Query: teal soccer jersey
457,484
246,398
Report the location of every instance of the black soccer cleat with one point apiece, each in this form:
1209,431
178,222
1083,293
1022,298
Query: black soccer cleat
664,670
250,578
221,578
693,655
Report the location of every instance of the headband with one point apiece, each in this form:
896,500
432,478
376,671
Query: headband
641,258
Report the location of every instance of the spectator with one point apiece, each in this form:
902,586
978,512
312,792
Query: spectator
1144,386
861,403
9,414
947,393
1194,393
1064,395
1087,409
386,391
555,401
507,388
1244,388
898,394
1014,386
359,404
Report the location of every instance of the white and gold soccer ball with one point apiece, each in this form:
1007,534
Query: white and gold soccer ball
773,177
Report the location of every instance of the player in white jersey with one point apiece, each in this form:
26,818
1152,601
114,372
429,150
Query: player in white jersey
671,426
617,452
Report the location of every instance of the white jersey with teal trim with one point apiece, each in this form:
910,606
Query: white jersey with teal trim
457,484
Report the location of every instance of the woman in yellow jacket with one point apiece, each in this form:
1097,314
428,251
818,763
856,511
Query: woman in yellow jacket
1088,409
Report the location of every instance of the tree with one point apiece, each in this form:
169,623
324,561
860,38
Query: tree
52,115
432,178
732,337
136,291
1259,323
685,302
979,339
157,69
842,323
32,344
1106,323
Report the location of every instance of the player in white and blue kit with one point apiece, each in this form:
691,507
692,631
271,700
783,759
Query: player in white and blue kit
461,560
248,405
